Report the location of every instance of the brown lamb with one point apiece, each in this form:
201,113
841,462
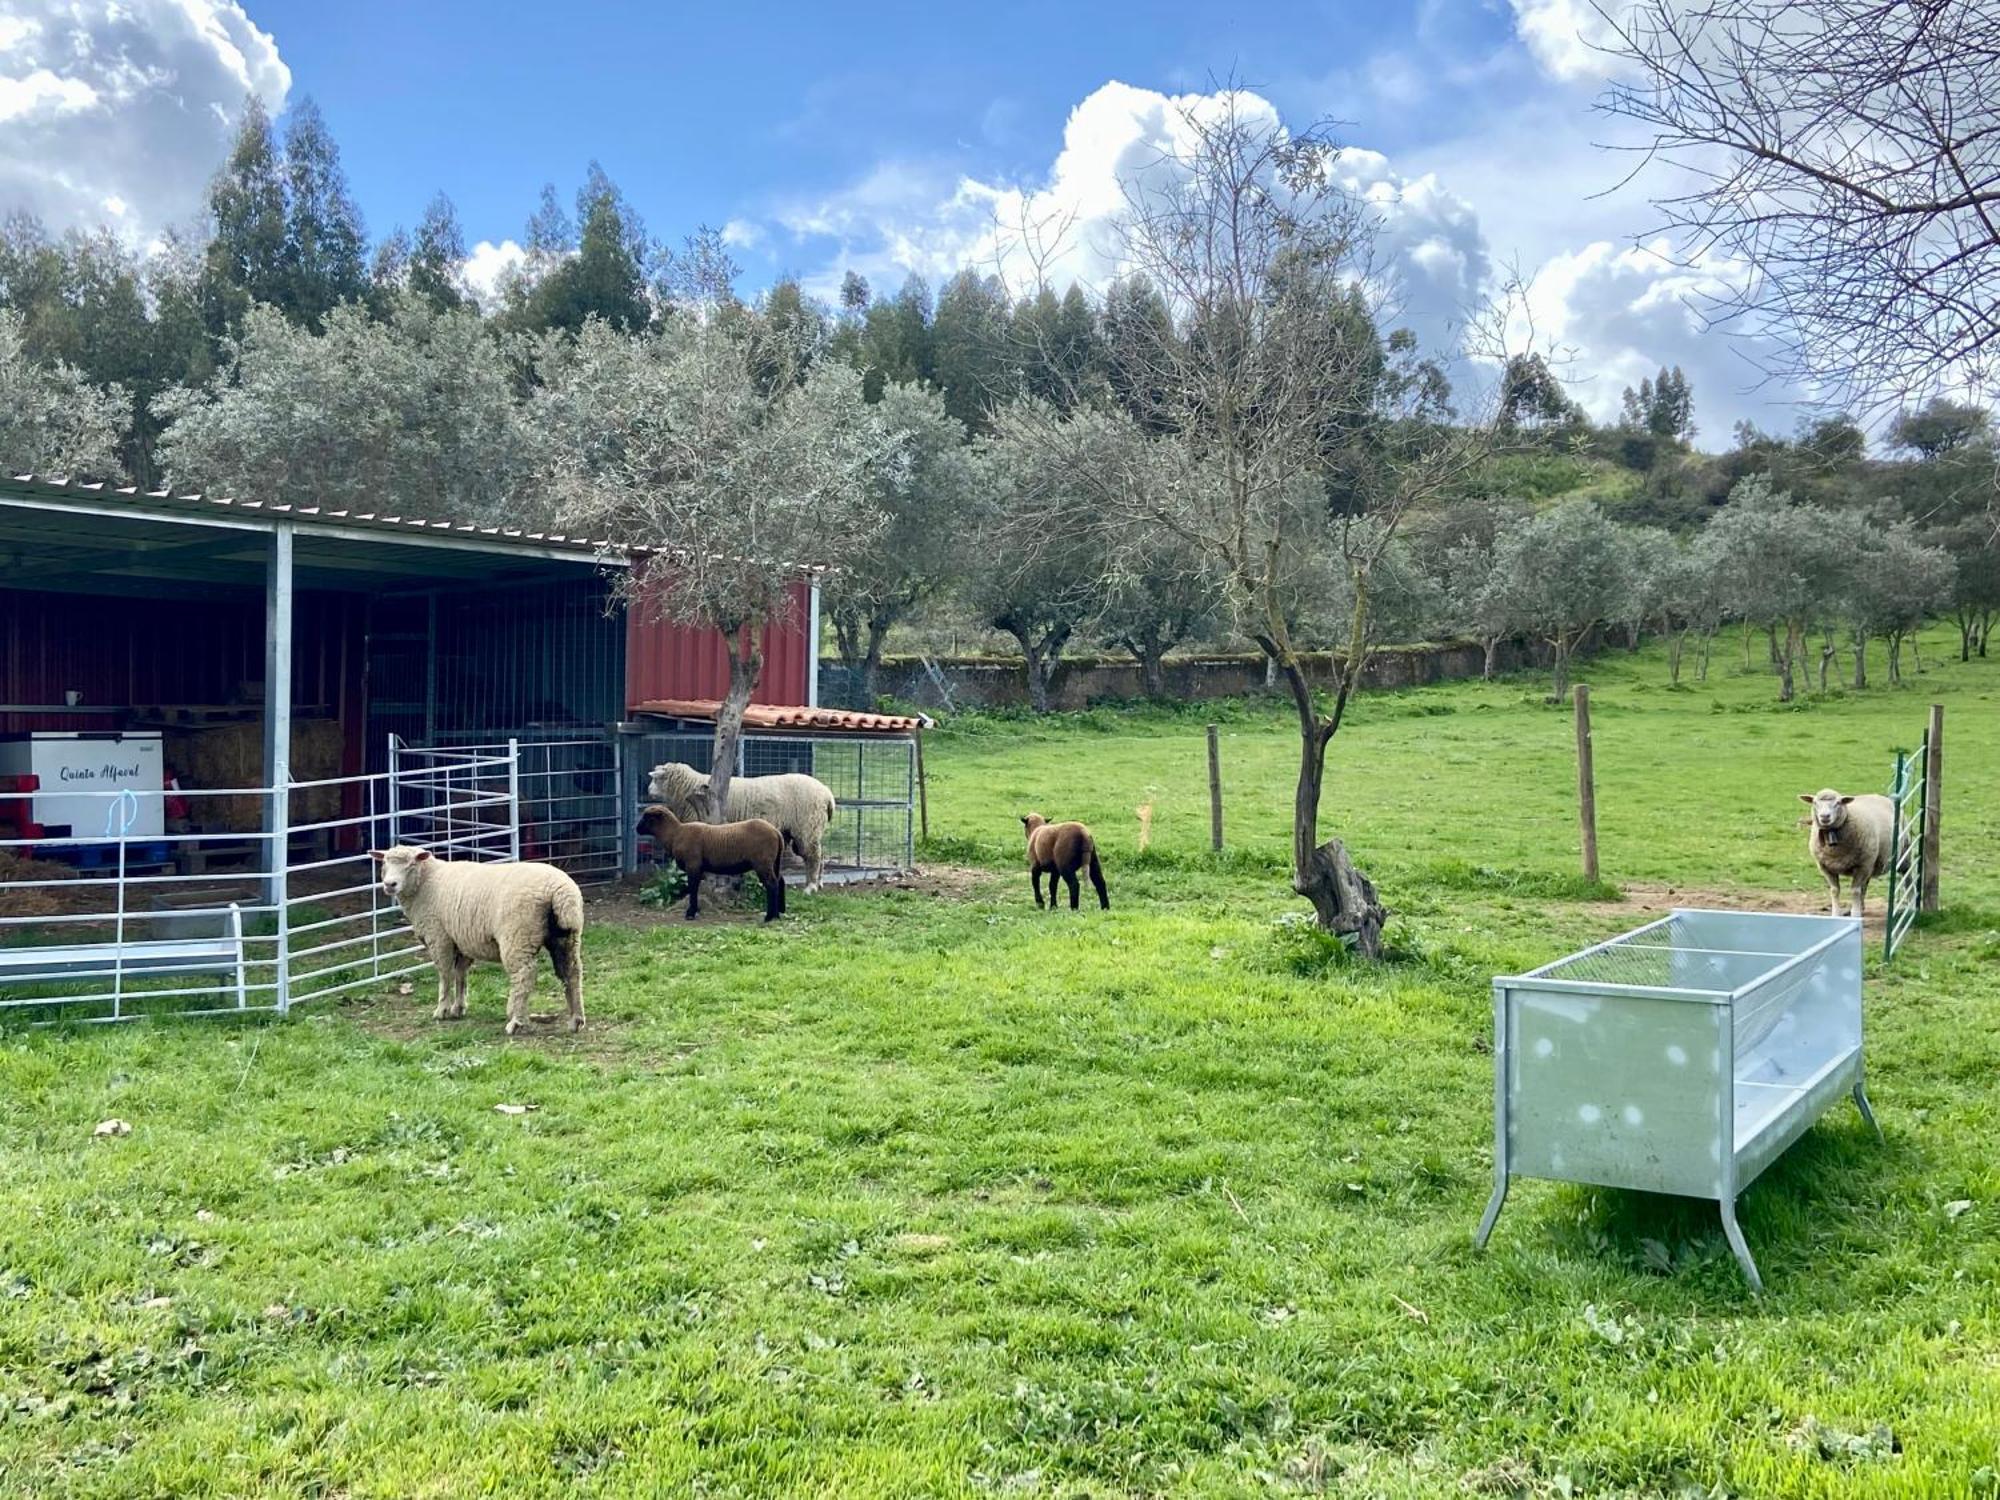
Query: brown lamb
1060,850
750,847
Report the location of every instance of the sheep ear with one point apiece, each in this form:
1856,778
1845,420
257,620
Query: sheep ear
378,855
423,854
1845,800
1807,797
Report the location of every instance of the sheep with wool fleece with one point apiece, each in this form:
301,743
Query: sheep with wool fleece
1850,836
464,910
800,806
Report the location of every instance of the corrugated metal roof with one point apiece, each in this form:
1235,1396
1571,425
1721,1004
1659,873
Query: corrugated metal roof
58,486
783,716
603,550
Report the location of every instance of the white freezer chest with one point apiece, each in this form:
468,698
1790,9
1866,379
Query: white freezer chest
84,781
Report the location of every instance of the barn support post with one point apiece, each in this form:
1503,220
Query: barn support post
278,743
812,646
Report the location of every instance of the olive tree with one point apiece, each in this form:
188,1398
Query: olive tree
726,482
1899,581
1781,567
1039,553
927,503
52,419
1560,575
419,410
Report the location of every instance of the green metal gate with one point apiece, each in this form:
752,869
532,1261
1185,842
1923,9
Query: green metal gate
1906,847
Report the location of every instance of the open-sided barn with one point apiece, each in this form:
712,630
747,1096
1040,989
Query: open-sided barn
401,677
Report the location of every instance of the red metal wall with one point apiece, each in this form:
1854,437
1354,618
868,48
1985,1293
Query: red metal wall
122,651
680,661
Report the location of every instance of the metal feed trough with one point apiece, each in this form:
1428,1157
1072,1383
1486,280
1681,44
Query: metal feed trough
1681,1057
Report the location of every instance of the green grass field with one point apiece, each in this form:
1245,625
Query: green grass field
924,1192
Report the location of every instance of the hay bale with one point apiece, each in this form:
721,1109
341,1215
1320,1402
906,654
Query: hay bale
232,755
28,899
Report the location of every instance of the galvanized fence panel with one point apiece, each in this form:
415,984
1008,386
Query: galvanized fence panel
121,925
572,814
1906,848
873,780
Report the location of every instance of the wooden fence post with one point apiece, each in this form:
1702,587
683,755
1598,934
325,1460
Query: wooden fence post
923,790
1214,791
1933,793
1586,783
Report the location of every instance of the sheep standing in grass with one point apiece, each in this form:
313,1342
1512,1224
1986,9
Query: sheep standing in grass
463,910
1850,836
799,806
750,847
1059,850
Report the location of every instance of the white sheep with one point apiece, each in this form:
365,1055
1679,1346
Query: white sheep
462,910
1850,836
799,805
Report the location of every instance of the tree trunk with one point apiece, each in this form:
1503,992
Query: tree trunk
1491,661
1701,659
1153,669
1827,652
1344,898
1860,658
1746,645
871,663
1895,658
746,662
1676,643
1964,636
1559,689
1781,663
847,641
1631,635
1042,657
1917,648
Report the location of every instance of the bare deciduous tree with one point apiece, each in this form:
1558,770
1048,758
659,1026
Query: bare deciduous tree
1848,151
1293,429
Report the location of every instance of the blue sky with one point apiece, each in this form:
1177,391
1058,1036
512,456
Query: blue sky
883,138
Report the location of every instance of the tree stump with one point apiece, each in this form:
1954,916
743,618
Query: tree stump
1344,898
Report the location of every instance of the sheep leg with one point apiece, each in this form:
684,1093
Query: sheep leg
461,969
444,958
1097,880
774,890
1075,888
813,863
1035,879
519,962
1859,883
566,954
1833,906
694,895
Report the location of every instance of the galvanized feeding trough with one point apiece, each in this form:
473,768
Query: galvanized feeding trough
1681,1057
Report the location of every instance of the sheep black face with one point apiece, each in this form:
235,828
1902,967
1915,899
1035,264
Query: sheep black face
1829,808
400,866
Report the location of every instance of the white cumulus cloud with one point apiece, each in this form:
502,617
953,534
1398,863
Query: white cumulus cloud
131,102
903,217
485,266
1565,36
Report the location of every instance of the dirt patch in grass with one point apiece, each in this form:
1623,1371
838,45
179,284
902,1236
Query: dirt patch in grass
1655,899
621,903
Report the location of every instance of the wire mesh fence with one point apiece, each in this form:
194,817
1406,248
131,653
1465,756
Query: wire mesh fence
873,779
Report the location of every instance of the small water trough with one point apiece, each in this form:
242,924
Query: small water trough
1681,1057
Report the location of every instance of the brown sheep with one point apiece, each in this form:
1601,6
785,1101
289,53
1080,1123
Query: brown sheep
1060,850
752,846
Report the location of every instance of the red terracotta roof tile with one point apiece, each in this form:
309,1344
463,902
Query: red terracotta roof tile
781,716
